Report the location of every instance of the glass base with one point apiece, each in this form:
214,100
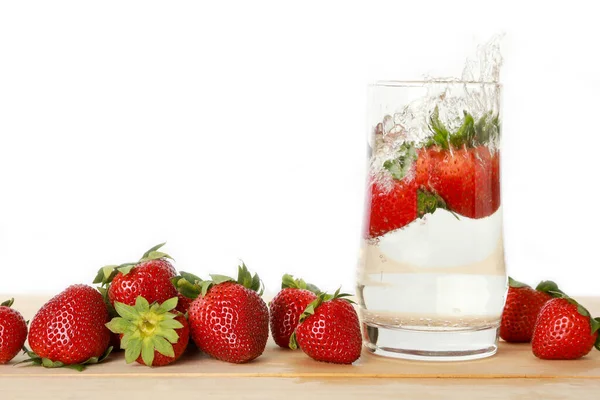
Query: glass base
431,345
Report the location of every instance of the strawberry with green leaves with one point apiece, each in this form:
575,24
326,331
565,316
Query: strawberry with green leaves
329,330
13,331
69,330
187,286
521,309
463,167
396,200
564,330
151,334
149,278
228,320
287,306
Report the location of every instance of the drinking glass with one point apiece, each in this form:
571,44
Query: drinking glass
431,279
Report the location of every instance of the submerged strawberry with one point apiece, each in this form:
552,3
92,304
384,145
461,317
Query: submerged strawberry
466,180
463,167
329,330
395,197
229,320
69,330
13,331
152,335
287,306
564,330
391,208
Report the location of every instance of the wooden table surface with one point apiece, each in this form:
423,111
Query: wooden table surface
513,373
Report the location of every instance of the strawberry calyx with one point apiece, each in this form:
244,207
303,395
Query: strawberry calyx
516,284
288,281
47,363
244,278
428,202
551,288
189,285
146,328
471,133
107,273
310,310
154,254
400,166
8,303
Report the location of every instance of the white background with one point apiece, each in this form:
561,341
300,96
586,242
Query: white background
238,130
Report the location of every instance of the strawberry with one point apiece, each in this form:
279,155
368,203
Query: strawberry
149,278
391,208
329,330
462,167
152,335
395,198
13,331
69,330
184,303
229,320
564,330
188,287
464,178
521,309
287,306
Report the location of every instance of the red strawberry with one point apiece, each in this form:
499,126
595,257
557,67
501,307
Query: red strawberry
149,278
564,330
329,330
287,306
69,329
521,309
152,335
229,320
467,179
391,208
184,303
188,287
13,331
463,167
423,168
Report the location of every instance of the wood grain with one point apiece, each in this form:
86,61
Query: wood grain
296,388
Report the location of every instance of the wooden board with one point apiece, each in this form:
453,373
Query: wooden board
513,370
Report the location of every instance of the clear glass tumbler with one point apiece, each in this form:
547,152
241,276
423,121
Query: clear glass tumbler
431,277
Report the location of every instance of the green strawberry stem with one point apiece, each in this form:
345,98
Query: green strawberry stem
516,284
288,281
549,287
310,310
428,202
8,303
189,285
146,328
47,363
471,133
107,273
401,165
154,254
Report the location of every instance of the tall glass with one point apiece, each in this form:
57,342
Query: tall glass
431,278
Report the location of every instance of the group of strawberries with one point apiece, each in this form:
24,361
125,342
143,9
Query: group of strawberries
557,326
149,311
458,171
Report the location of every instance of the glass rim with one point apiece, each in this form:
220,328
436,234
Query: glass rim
415,83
